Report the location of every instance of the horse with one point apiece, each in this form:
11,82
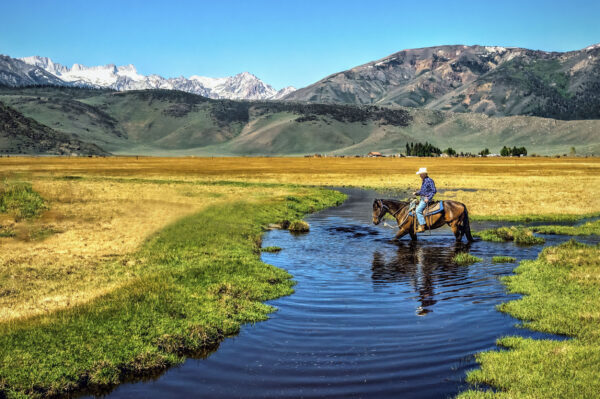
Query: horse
454,214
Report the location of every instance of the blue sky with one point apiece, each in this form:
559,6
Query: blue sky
282,42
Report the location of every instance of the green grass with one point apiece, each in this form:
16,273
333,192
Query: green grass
270,249
520,235
561,296
585,229
465,258
20,200
503,259
202,279
535,218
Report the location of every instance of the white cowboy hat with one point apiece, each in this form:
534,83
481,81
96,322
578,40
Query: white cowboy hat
421,171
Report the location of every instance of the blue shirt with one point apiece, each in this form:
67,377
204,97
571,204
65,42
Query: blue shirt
427,189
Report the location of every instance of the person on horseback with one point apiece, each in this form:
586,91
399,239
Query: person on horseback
426,192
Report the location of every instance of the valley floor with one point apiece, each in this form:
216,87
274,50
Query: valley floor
133,263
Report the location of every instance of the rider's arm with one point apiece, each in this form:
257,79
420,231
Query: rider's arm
431,190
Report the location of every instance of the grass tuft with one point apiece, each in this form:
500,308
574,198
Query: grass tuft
503,259
465,258
20,200
270,249
520,235
7,232
299,226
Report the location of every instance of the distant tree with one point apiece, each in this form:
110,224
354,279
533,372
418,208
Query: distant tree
422,150
515,152
450,151
572,153
485,152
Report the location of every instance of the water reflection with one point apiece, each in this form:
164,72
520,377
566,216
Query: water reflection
422,265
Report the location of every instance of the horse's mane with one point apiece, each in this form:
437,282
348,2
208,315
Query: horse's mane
392,201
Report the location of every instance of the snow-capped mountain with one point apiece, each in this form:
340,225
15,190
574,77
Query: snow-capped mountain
243,86
17,73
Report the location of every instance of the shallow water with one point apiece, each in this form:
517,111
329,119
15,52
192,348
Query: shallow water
369,318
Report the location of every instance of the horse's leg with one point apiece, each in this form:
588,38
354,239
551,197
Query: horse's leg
456,229
413,235
411,229
401,233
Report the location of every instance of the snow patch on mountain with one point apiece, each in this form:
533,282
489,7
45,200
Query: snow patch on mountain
243,86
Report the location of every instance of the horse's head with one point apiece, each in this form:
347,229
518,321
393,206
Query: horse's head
379,210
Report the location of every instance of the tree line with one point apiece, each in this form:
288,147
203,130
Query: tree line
514,152
422,150
429,150
505,152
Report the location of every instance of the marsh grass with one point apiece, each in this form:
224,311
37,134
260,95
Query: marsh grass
271,249
503,259
589,228
465,258
201,279
518,234
560,291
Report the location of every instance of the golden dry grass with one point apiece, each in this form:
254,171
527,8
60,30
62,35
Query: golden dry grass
97,224
100,221
506,186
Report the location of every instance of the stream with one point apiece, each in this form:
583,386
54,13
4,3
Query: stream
369,318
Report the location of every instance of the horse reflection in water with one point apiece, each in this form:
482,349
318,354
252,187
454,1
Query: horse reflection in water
423,266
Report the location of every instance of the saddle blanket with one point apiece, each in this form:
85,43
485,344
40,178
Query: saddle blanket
437,207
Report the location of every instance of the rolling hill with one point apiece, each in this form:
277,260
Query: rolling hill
496,81
167,122
22,135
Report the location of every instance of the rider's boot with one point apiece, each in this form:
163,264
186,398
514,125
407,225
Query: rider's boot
420,228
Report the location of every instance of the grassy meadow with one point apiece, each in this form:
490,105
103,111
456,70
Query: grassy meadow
561,297
134,263
493,188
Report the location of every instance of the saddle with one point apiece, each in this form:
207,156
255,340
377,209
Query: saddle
433,208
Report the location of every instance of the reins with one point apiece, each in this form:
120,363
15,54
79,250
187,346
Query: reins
384,208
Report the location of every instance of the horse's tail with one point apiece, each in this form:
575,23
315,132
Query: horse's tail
467,225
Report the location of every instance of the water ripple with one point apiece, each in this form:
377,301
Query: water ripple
369,318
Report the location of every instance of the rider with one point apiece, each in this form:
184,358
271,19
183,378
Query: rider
426,192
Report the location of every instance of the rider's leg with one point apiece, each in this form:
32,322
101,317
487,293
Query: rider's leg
420,209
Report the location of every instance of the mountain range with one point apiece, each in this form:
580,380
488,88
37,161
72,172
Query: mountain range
174,123
496,81
465,97
42,70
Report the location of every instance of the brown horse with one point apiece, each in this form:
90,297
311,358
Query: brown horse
455,215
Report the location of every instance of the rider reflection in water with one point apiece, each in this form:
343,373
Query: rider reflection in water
426,192
423,266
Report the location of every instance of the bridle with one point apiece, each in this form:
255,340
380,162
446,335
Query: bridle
383,208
